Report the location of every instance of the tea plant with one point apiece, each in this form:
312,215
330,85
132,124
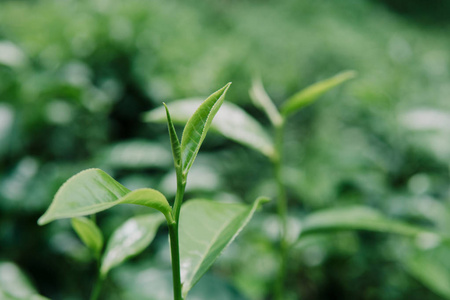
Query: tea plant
198,231
235,124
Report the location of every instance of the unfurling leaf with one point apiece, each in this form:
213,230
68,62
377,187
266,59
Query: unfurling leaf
196,128
231,121
89,233
314,91
130,239
176,147
92,191
206,229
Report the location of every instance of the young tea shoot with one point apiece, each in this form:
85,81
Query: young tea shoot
193,249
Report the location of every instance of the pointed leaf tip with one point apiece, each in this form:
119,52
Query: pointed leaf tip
196,128
314,91
206,229
93,190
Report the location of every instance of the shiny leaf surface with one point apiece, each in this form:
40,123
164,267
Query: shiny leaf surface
197,126
92,191
130,239
231,121
206,229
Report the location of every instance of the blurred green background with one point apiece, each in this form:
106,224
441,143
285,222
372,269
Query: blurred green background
76,76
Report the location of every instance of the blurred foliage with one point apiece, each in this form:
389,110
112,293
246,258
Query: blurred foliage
75,76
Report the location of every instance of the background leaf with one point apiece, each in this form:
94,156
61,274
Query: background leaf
262,100
92,191
206,229
231,121
130,239
15,285
314,91
431,268
196,128
356,218
89,233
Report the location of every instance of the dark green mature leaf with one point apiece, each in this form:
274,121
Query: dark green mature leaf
89,233
176,147
196,128
231,121
206,229
92,191
130,239
356,218
312,92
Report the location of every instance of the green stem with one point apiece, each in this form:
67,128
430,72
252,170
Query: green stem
277,162
97,287
173,235
175,252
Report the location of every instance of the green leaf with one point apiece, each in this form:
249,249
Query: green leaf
206,229
356,218
135,154
130,239
92,191
314,91
231,121
176,147
431,268
196,128
15,285
89,233
262,100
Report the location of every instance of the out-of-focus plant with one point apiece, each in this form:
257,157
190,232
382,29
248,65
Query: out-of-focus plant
235,124
197,237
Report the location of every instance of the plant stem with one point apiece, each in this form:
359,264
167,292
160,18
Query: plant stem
173,235
175,252
281,209
97,287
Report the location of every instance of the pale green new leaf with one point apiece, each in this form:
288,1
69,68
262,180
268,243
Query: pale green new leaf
176,147
262,100
314,91
130,239
89,233
196,128
206,229
92,191
356,218
231,121
15,285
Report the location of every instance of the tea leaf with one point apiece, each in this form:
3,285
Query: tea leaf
89,233
356,218
231,121
314,91
92,191
130,239
176,147
206,229
135,154
15,285
262,100
196,128
431,270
